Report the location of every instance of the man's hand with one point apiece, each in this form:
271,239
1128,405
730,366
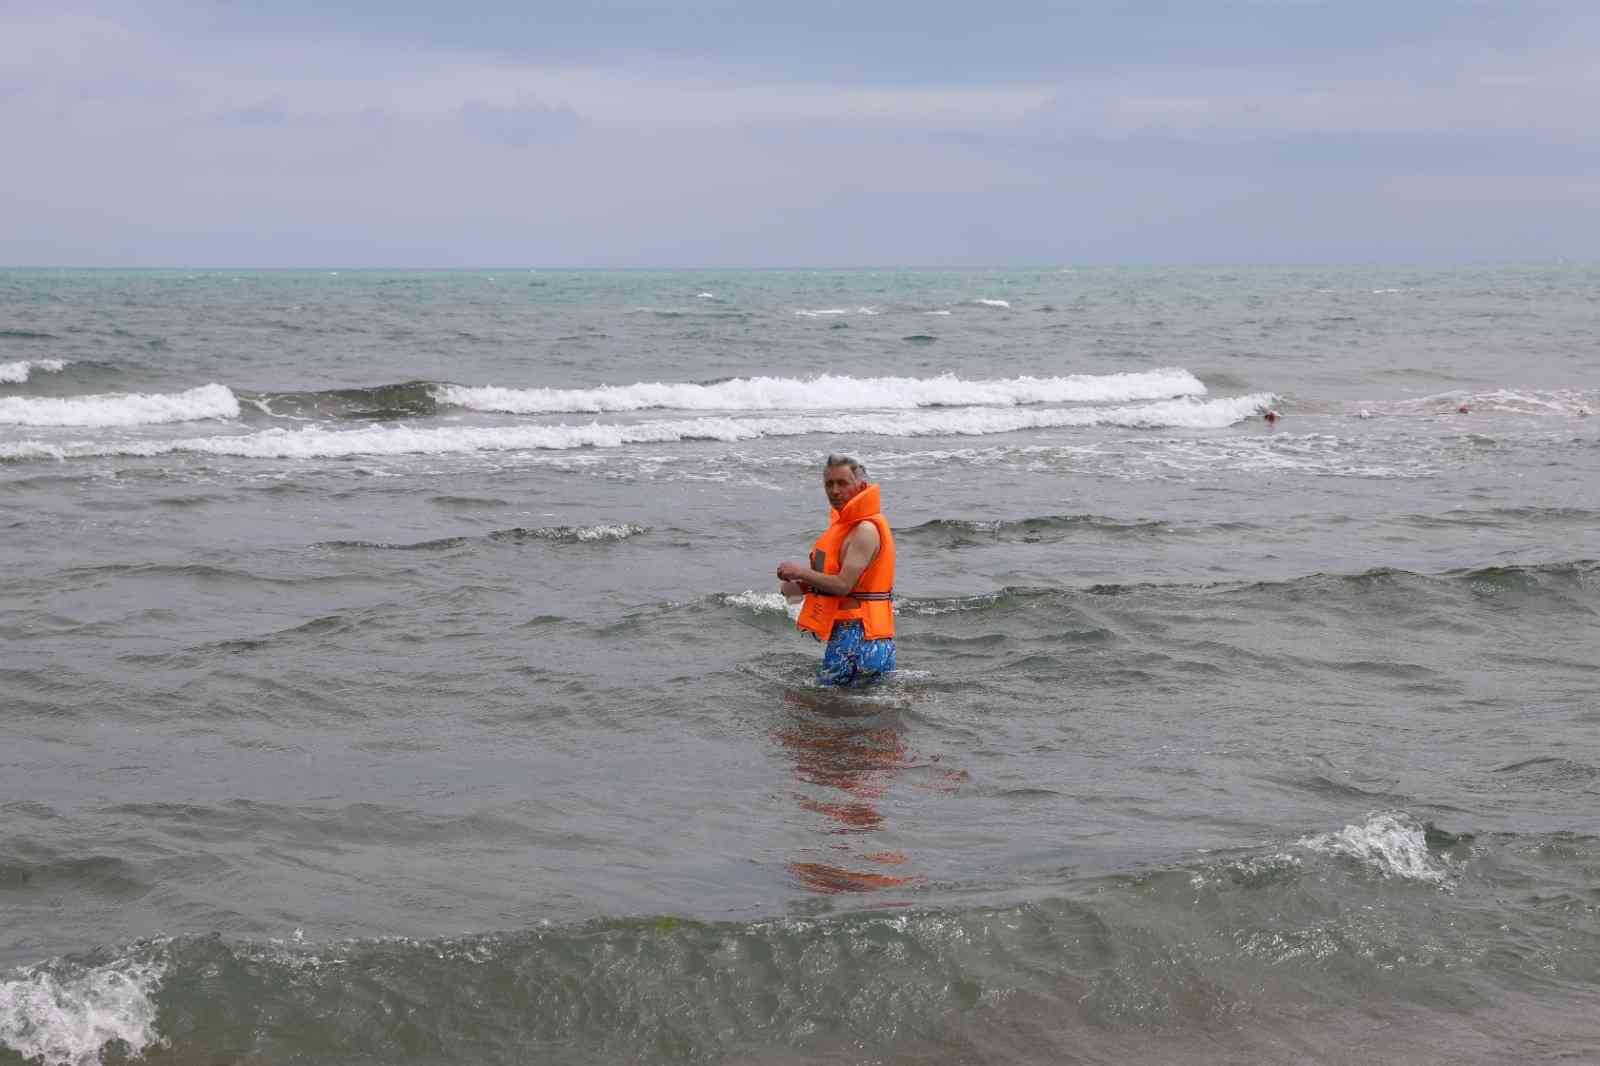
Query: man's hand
793,571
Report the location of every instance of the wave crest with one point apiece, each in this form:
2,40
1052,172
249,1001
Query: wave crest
121,409
66,1014
17,373
957,532
315,442
404,400
1393,844
828,392
573,534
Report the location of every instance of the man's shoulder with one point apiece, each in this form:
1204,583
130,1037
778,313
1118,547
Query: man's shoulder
864,531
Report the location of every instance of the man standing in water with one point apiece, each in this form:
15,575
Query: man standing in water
849,583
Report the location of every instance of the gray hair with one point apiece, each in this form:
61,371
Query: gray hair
845,460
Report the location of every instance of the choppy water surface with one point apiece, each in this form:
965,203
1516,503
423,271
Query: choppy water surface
392,668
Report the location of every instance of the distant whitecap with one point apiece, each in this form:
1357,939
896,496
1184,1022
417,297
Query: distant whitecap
17,373
829,392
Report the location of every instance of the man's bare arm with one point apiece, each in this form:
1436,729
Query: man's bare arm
860,548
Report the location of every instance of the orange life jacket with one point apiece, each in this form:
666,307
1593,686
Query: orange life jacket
871,601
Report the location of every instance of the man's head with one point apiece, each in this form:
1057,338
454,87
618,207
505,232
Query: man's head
842,478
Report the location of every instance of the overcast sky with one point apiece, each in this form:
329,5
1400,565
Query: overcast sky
653,133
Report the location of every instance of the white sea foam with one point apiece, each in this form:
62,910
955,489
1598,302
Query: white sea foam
120,409
1393,844
17,451
828,392
62,1015
774,602
404,440
1565,403
1248,870
620,531
938,312
1309,453
830,312
706,296
993,303
17,373
589,534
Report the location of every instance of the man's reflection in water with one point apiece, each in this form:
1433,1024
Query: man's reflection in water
847,752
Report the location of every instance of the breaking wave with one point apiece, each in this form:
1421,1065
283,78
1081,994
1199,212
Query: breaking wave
124,409
405,400
829,393
750,600
599,533
573,534
1559,403
315,442
66,1013
19,372
1556,584
1392,844
955,532
1124,959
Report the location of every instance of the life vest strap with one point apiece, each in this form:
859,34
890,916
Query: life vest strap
882,597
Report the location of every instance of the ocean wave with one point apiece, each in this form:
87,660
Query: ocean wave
1560,403
66,1014
959,531
610,990
759,602
828,392
1504,517
315,442
1318,454
1391,843
1135,956
833,312
1550,774
1557,583
1250,871
993,303
1566,584
380,402
600,533
121,409
439,544
19,372
591,534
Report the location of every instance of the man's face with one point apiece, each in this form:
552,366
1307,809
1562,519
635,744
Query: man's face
841,483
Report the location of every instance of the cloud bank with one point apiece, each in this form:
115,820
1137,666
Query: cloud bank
756,134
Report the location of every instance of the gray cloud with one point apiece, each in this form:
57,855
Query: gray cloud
265,113
518,124
650,133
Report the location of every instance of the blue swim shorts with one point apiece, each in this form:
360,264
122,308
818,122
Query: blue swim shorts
851,659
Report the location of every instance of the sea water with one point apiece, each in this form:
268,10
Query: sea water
392,667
